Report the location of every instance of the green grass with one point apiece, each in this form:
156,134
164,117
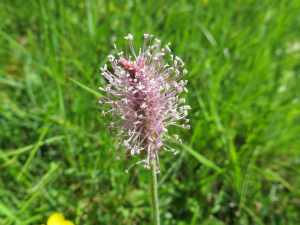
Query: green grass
239,163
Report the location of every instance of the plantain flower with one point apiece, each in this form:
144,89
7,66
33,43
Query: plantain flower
143,99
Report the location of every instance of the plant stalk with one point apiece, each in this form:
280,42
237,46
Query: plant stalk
153,183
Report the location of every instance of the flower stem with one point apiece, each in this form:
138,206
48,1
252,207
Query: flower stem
154,195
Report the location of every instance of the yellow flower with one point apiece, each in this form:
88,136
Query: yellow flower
58,219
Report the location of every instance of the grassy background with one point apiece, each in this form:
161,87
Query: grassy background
239,163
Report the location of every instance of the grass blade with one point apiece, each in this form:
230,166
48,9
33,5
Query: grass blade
32,153
85,87
201,158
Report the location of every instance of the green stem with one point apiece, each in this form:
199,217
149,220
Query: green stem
154,195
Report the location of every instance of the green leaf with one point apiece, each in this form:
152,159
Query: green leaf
85,87
201,158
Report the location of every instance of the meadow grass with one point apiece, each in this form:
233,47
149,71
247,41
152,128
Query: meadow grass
239,163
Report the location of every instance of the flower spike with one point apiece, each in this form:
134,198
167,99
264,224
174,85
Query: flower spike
143,99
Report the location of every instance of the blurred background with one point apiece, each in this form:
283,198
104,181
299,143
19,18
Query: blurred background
239,163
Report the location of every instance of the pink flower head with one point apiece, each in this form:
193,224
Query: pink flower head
143,99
